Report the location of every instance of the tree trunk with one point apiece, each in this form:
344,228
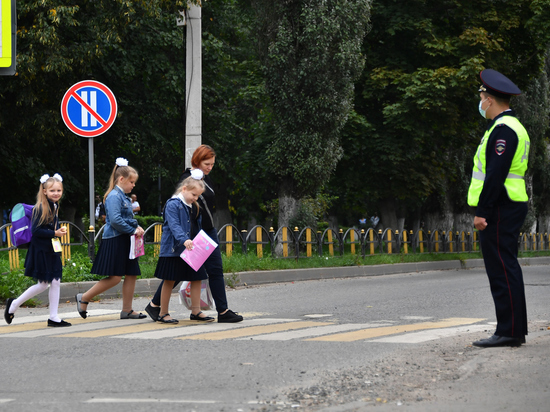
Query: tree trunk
288,204
288,208
388,215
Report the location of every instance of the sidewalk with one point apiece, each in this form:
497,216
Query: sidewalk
147,287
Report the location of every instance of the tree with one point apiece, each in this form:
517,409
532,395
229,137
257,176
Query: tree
416,125
311,52
133,47
236,116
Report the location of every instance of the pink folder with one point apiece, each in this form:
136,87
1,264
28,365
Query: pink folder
136,246
203,246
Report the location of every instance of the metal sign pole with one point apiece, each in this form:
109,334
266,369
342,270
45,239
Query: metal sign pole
91,229
92,190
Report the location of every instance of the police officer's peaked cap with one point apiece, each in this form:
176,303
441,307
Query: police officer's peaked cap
497,84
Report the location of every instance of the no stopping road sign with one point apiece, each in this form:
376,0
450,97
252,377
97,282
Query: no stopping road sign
89,108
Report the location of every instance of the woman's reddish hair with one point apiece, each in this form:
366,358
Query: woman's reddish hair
202,153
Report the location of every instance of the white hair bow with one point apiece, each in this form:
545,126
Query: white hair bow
197,174
46,176
120,161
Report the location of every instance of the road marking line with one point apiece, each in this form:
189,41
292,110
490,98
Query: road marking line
151,400
6,330
213,327
22,320
427,335
393,330
254,330
6,400
315,331
106,322
137,326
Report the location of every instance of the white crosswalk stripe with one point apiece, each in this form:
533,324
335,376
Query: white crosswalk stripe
316,331
255,327
427,335
58,331
44,318
174,332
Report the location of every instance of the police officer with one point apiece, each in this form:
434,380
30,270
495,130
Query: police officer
498,192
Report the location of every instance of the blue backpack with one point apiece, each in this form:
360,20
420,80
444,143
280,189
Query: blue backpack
21,225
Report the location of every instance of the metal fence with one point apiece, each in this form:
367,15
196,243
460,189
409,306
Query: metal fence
295,243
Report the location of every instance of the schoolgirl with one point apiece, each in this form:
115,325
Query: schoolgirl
204,159
113,257
181,224
43,260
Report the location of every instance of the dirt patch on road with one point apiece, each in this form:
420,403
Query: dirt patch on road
443,372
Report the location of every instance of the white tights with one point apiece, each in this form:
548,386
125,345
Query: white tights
34,290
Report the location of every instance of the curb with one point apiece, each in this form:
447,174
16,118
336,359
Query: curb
147,287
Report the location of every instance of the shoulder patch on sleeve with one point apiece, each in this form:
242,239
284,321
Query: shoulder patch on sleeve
500,146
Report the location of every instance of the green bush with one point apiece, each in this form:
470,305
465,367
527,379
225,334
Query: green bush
14,282
146,221
77,269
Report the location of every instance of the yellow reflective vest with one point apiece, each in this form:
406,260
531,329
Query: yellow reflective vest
515,182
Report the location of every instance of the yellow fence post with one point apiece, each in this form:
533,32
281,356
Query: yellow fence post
259,246
421,241
13,253
475,241
229,241
66,244
352,240
371,240
330,245
389,242
156,238
285,241
405,246
308,242
436,237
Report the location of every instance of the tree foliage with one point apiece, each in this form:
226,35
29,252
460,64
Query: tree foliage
279,104
416,120
311,52
134,48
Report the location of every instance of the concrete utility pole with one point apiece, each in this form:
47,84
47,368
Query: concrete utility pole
193,83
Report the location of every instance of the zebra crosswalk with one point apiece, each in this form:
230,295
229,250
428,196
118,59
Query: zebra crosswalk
255,327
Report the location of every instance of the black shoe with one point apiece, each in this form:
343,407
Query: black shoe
229,317
496,341
61,324
161,319
153,312
7,315
204,319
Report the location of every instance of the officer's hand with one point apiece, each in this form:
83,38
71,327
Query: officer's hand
480,223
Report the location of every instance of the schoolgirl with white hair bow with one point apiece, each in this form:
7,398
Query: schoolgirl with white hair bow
113,257
43,260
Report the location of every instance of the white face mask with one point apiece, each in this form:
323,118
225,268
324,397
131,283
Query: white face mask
482,112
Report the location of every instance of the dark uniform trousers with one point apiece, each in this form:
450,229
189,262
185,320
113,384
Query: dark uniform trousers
499,245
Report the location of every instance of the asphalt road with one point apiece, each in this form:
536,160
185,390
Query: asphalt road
391,342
